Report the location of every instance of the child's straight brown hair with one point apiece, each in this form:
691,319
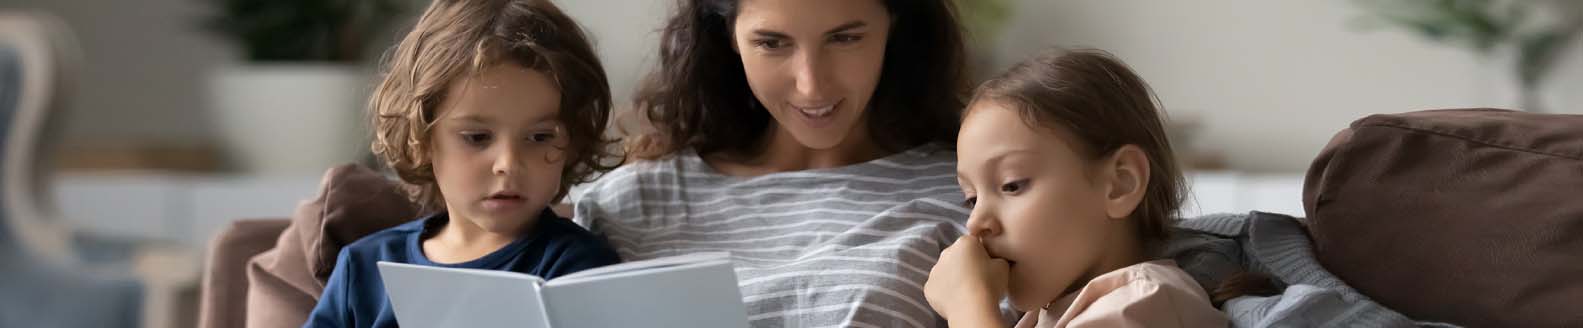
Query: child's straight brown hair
1106,106
455,39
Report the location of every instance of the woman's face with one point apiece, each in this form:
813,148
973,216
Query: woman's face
814,64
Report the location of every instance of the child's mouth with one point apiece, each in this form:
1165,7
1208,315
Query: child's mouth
1009,262
503,201
505,196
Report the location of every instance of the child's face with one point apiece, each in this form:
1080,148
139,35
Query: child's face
498,147
1034,200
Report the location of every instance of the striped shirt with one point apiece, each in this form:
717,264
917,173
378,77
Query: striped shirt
848,246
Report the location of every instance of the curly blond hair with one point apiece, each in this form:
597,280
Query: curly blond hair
455,39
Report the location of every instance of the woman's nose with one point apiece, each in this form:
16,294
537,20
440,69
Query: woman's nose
810,74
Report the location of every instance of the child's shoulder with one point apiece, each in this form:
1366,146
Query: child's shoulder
1156,272
564,230
392,238
563,235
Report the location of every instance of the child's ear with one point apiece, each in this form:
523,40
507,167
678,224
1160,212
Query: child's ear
1127,173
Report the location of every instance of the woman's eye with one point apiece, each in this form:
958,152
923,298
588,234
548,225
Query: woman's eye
970,202
769,44
476,138
845,38
1014,186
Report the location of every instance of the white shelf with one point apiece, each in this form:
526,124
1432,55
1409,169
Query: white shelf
1237,192
188,209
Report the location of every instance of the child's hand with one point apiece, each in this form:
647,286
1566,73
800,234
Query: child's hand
966,285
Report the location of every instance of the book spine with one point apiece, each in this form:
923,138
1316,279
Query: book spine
544,307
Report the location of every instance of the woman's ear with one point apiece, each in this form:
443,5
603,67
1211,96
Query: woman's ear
1127,178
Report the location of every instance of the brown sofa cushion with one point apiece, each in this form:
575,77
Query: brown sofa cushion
353,201
1472,217
222,300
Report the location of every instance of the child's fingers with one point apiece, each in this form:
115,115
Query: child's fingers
1000,267
969,243
967,240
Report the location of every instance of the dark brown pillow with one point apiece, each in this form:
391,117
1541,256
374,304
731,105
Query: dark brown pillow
353,201
284,283
1469,216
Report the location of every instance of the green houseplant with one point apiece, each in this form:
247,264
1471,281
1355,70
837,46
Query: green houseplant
292,105
303,30
1534,33
983,21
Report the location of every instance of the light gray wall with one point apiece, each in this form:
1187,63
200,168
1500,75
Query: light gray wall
1270,80
143,70
625,34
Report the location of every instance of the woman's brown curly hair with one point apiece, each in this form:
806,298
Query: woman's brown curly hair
455,39
698,96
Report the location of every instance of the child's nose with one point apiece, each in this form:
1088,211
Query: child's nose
982,223
506,161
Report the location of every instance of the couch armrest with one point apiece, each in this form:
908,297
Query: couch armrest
222,300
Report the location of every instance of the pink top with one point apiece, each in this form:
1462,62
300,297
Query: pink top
1149,294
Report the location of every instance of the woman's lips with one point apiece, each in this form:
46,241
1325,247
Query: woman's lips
816,112
818,116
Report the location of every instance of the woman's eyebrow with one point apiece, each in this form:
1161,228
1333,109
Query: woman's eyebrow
848,26
852,25
771,34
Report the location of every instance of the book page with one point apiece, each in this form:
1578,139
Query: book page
648,264
425,296
692,294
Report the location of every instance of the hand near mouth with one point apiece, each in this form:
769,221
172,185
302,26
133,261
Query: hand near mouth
966,284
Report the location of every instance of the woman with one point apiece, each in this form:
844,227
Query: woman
809,138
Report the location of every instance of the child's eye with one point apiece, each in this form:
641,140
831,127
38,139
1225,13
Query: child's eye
1014,186
970,202
476,138
541,137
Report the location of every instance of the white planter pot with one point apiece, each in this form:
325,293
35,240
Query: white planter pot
291,119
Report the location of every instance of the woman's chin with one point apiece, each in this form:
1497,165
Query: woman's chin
820,140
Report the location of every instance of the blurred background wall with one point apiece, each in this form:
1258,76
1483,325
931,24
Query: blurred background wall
1254,89
1267,81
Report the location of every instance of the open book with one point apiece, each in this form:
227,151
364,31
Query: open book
696,290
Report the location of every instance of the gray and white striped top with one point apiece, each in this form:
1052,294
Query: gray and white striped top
848,246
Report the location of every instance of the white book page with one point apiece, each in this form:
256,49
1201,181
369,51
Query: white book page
648,265
425,296
696,294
